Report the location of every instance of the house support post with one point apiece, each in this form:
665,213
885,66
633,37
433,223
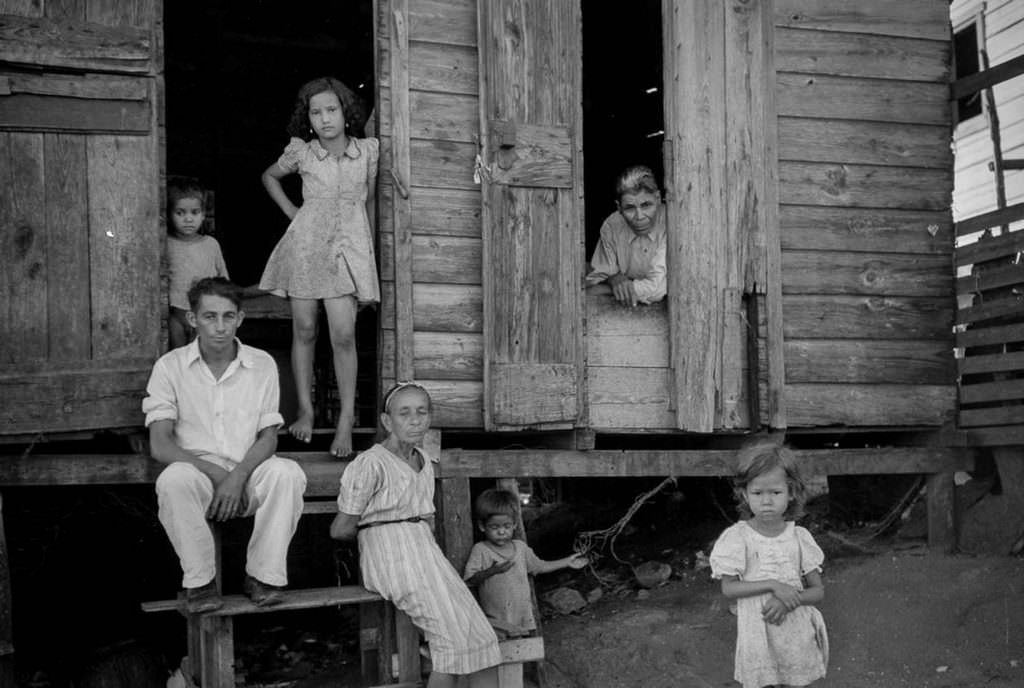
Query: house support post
942,535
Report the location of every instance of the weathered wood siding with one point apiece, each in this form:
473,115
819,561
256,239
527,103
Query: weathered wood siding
80,229
865,181
1000,30
440,262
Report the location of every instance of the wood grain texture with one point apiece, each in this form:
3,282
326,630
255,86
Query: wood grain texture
867,317
67,224
910,18
452,260
440,307
697,208
124,251
23,251
401,205
862,55
442,212
26,112
439,116
890,274
88,86
864,186
866,229
908,362
438,355
444,21
864,143
883,100
43,42
884,405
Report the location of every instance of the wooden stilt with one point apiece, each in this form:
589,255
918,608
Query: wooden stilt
407,644
942,512
370,634
454,519
6,622
218,651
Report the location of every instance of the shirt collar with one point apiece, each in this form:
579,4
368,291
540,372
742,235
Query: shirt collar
243,355
321,153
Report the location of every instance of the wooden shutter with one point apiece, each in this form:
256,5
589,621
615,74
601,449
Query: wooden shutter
80,230
723,242
532,210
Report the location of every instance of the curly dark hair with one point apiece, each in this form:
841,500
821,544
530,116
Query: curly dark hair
759,457
351,105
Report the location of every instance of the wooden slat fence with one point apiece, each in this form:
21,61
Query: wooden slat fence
990,334
990,299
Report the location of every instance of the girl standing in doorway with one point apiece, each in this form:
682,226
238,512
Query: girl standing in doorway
326,255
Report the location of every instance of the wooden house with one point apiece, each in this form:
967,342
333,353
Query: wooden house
805,152
807,173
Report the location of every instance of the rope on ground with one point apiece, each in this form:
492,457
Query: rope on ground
598,540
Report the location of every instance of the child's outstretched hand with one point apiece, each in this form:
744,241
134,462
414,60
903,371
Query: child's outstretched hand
787,594
577,561
774,611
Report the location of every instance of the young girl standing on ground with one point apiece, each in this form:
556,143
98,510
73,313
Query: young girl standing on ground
387,500
191,256
772,567
327,252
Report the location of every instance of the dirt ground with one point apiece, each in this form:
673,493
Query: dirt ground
899,619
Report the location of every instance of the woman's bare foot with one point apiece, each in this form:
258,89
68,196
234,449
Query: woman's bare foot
341,446
302,428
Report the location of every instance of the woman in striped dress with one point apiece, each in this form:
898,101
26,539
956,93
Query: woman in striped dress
387,501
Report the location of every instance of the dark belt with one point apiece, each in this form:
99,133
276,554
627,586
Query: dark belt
372,524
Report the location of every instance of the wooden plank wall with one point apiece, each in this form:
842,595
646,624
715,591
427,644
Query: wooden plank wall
1001,33
446,331
80,230
865,179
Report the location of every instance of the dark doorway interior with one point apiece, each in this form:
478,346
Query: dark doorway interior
232,69
623,120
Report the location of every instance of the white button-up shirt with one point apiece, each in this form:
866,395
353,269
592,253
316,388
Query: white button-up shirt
218,420
640,258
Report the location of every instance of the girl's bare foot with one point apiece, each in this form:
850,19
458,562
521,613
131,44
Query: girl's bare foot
341,446
302,428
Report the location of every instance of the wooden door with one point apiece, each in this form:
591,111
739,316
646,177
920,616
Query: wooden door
724,255
532,211
80,225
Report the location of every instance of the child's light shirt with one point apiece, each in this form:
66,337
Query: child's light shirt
794,652
215,419
640,258
505,597
189,261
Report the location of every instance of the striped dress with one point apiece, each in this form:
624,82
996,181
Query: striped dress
402,562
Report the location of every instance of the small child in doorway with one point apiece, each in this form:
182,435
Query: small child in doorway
499,565
191,255
772,567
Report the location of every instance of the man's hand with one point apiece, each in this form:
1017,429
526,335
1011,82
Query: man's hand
623,290
228,496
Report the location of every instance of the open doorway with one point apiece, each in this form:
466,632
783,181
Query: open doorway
232,70
623,118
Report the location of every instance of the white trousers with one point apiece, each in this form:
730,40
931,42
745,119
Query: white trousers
274,491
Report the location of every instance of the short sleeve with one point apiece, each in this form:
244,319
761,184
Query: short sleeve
161,402
605,262
359,482
811,556
270,416
475,563
218,260
533,562
729,555
372,158
289,160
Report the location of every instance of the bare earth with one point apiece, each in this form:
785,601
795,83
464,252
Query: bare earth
895,620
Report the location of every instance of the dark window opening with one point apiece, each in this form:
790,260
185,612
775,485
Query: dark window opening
232,71
623,119
965,56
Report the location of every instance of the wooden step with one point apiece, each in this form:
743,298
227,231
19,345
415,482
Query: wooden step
311,598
